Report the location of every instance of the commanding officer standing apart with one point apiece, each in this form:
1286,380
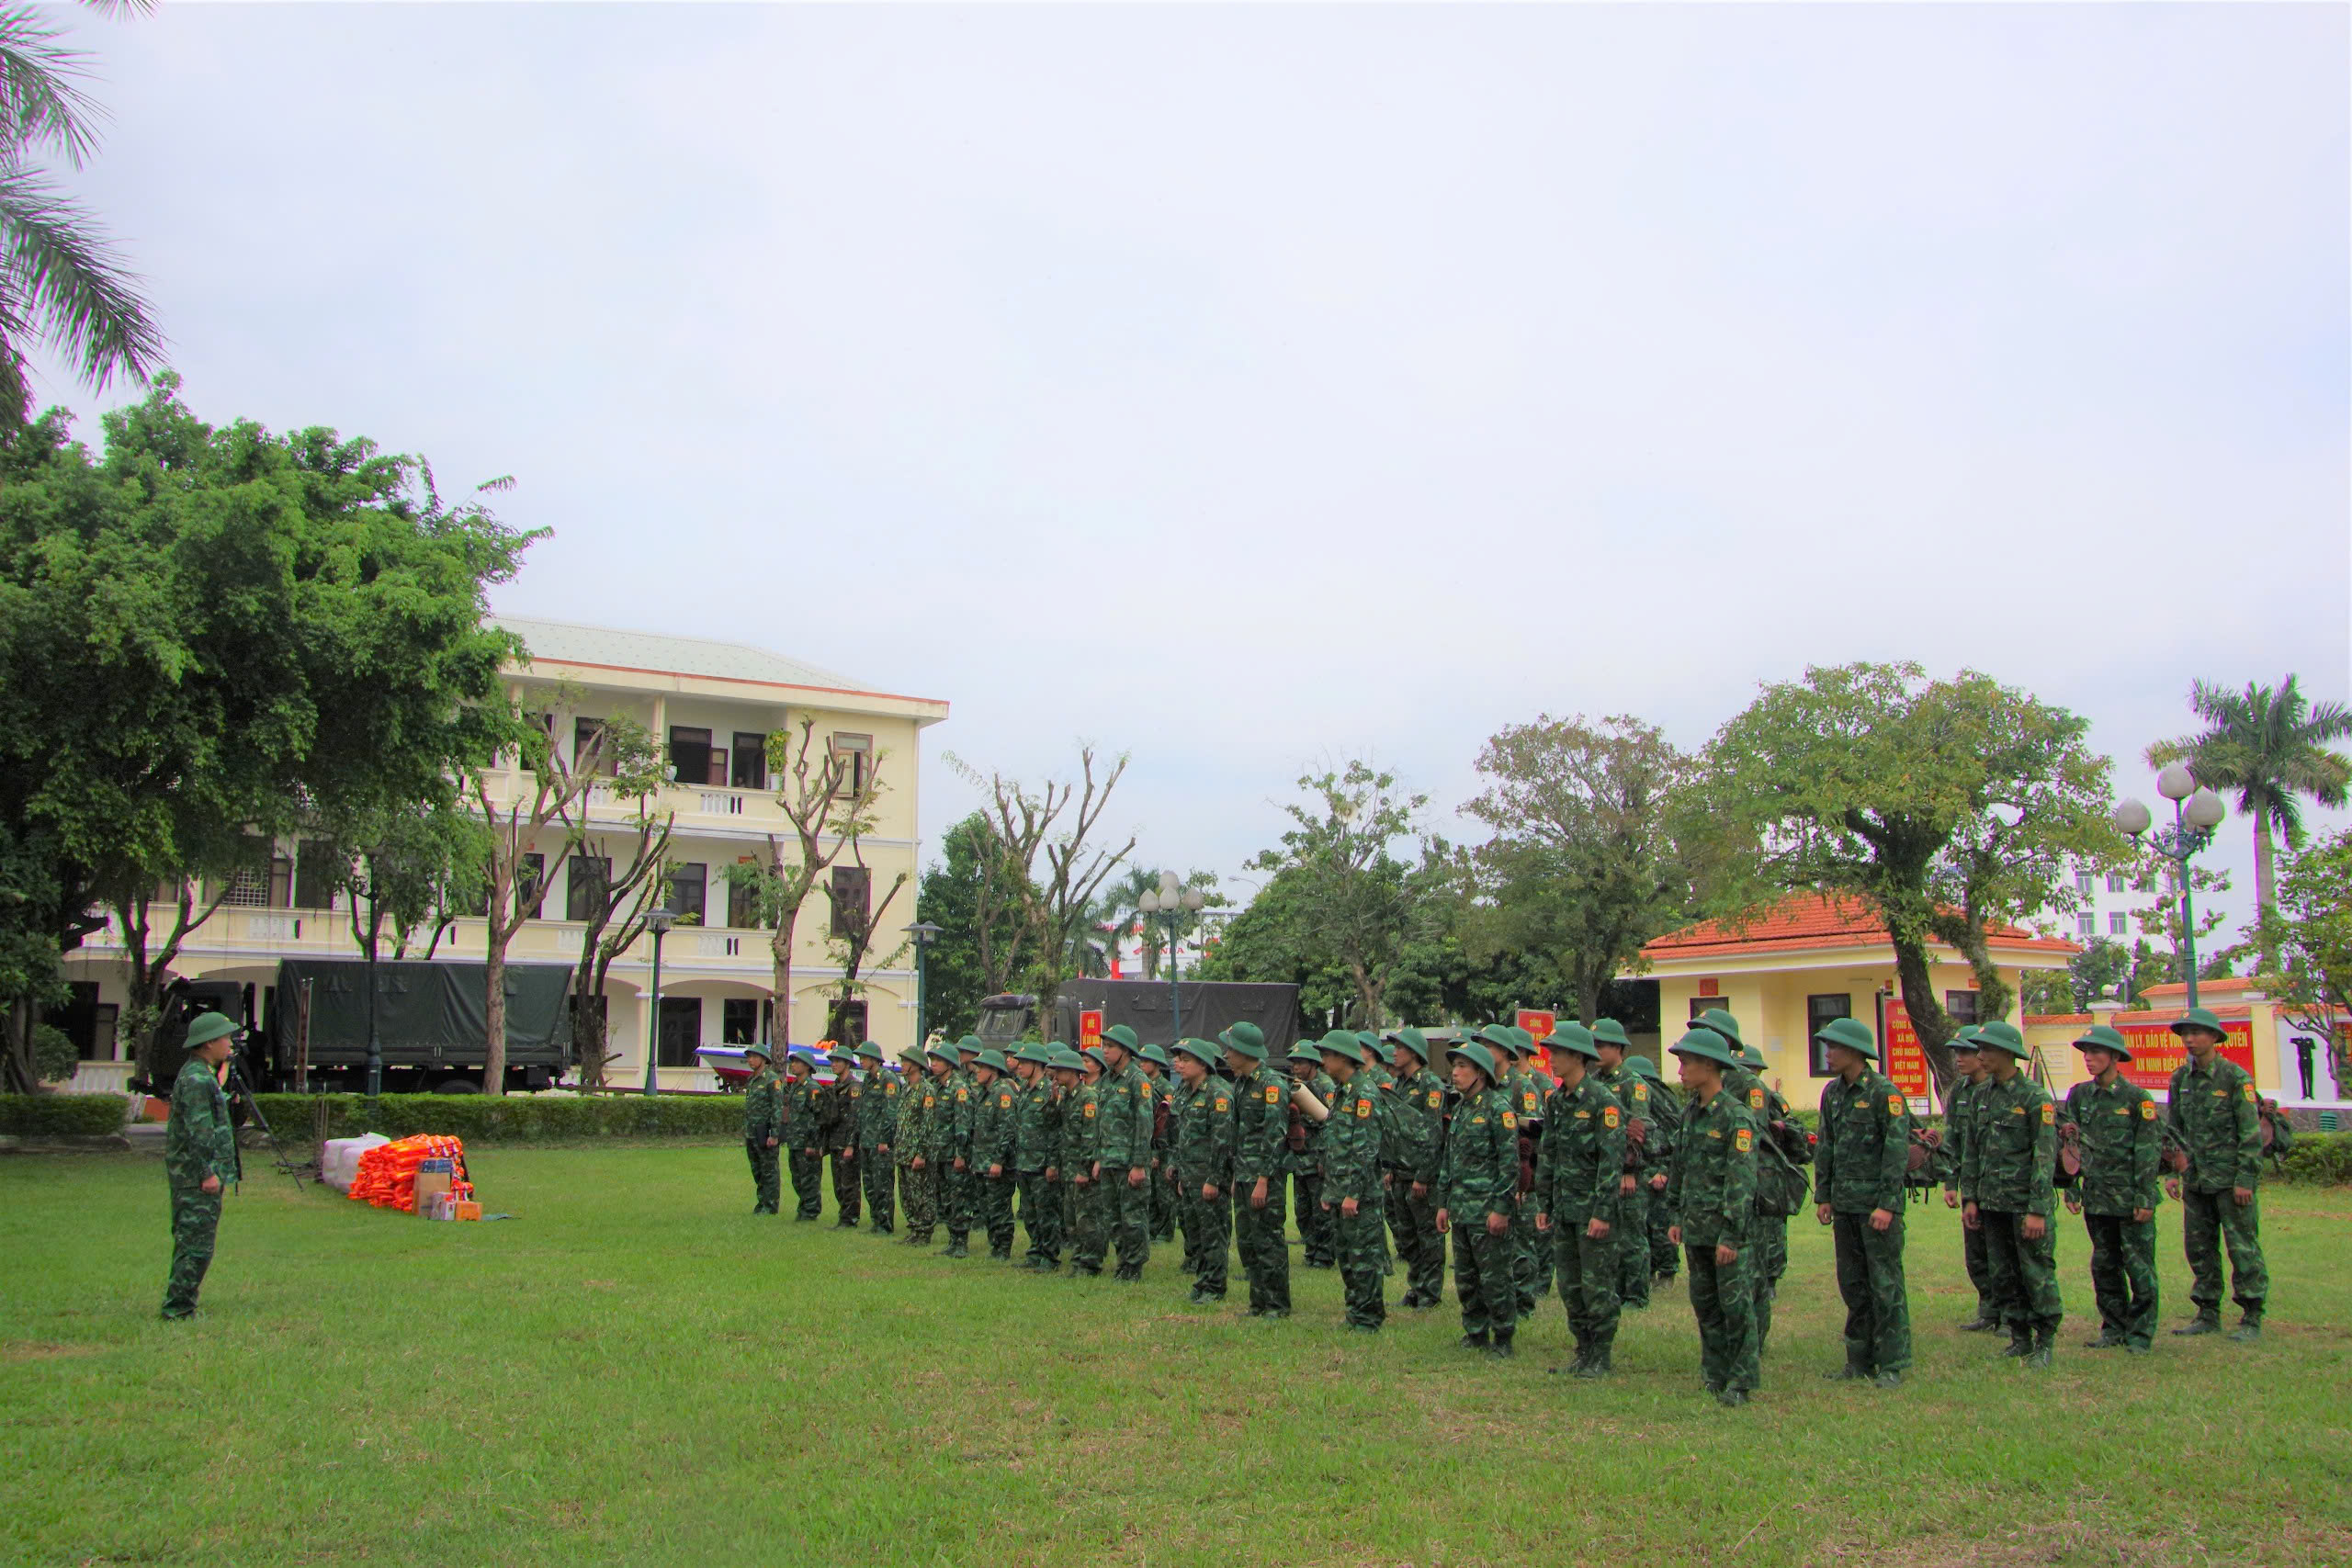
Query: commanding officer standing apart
1858,1183
1712,1190
878,1121
2122,1145
199,1155
2007,1178
762,1128
1578,1204
1261,1124
1478,1185
1350,1183
2215,1115
1203,1164
1970,1075
1417,1125
1122,1155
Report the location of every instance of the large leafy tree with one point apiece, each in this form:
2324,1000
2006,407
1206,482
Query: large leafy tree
1948,805
2308,936
60,283
956,970
2273,748
209,632
1582,868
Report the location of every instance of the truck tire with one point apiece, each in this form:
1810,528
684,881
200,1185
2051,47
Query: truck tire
457,1086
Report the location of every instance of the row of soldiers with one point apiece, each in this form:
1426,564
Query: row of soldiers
1603,1176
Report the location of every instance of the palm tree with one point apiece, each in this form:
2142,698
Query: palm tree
2272,747
60,282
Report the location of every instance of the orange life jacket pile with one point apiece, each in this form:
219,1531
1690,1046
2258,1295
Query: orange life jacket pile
387,1173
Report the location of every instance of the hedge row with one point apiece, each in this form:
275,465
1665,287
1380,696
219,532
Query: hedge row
507,1119
2320,1159
61,1115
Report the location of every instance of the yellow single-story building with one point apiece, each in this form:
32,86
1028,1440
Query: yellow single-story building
1788,970
2290,1064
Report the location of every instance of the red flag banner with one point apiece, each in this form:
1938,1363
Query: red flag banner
2156,1050
1906,1060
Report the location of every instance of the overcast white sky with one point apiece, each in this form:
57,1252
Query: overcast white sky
1244,387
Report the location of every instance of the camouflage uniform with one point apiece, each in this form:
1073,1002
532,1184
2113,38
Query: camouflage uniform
1580,1165
2122,1143
1531,1268
1637,1100
1163,1192
1382,1083
198,1141
763,1120
918,1189
1478,1176
878,1121
1350,1151
1416,1122
1318,1247
836,1121
1712,1190
801,1134
995,1124
2214,1114
2007,1175
1260,1125
1036,1148
1123,1144
1202,1152
1657,1155
1082,1141
1960,1127
1858,1166
958,1189
1768,1239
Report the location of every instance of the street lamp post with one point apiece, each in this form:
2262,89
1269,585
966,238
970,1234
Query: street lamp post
926,937
2191,831
1173,900
659,923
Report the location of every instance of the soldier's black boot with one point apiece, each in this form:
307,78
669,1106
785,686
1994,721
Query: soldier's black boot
956,1247
1501,1348
1890,1378
2108,1339
1596,1364
1574,1368
2207,1321
1475,1340
1981,1323
1852,1372
2038,1357
2249,1328
2021,1345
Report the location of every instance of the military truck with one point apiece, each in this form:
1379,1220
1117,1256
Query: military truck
431,1023
1203,1009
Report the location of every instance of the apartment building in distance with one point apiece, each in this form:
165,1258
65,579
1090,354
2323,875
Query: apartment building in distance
712,706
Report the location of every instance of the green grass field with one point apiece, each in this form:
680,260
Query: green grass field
634,1369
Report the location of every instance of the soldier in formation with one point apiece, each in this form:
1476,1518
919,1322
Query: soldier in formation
1969,1075
1712,1190
1201,1159
2119,1144
837,1132
1580,1201
803,1142
1857,1174
877,1116
1261,1153
1647,1145
1477,1195
2213,1116
1416,1135
763,1129
2008,1190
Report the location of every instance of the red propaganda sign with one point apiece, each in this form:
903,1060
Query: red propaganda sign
2156,1050
1542,1025
1904,1059
1090,1028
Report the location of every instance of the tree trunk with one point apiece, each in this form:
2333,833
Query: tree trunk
493,965
780,948
1929,1020
2266,898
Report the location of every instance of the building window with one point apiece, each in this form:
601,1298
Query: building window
739,1021
1819,1012
586,883
1960,1005
680,1032
696,761
851,888
2086,924
2086,884
2114,882
688,886
742,905
2118,924
1703,1004
315,874
856,752
589,752
748,764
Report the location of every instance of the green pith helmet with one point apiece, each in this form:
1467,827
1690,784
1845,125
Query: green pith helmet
764,1052
1306,1051
1201,1051
1246,1041
1497,1037
2104,1039
1156,1053
993,1060
1576,1038
943,1054
1371,1043
1966,1039
1094,1054
970,1045
1478,1057
1720,1021
1642,1066
2195,1018
1707,1045
2002,1035
868,1050
1342,1043
1850,1033
1119,1034
1609,1032
1521,1038
1413,1040
209,1027
1751,1059
1034,1051
1062,1056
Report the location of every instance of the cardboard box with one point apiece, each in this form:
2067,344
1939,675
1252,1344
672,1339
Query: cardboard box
431,1184
469,1210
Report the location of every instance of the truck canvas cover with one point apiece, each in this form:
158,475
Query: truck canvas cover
1208,1007
424,1012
